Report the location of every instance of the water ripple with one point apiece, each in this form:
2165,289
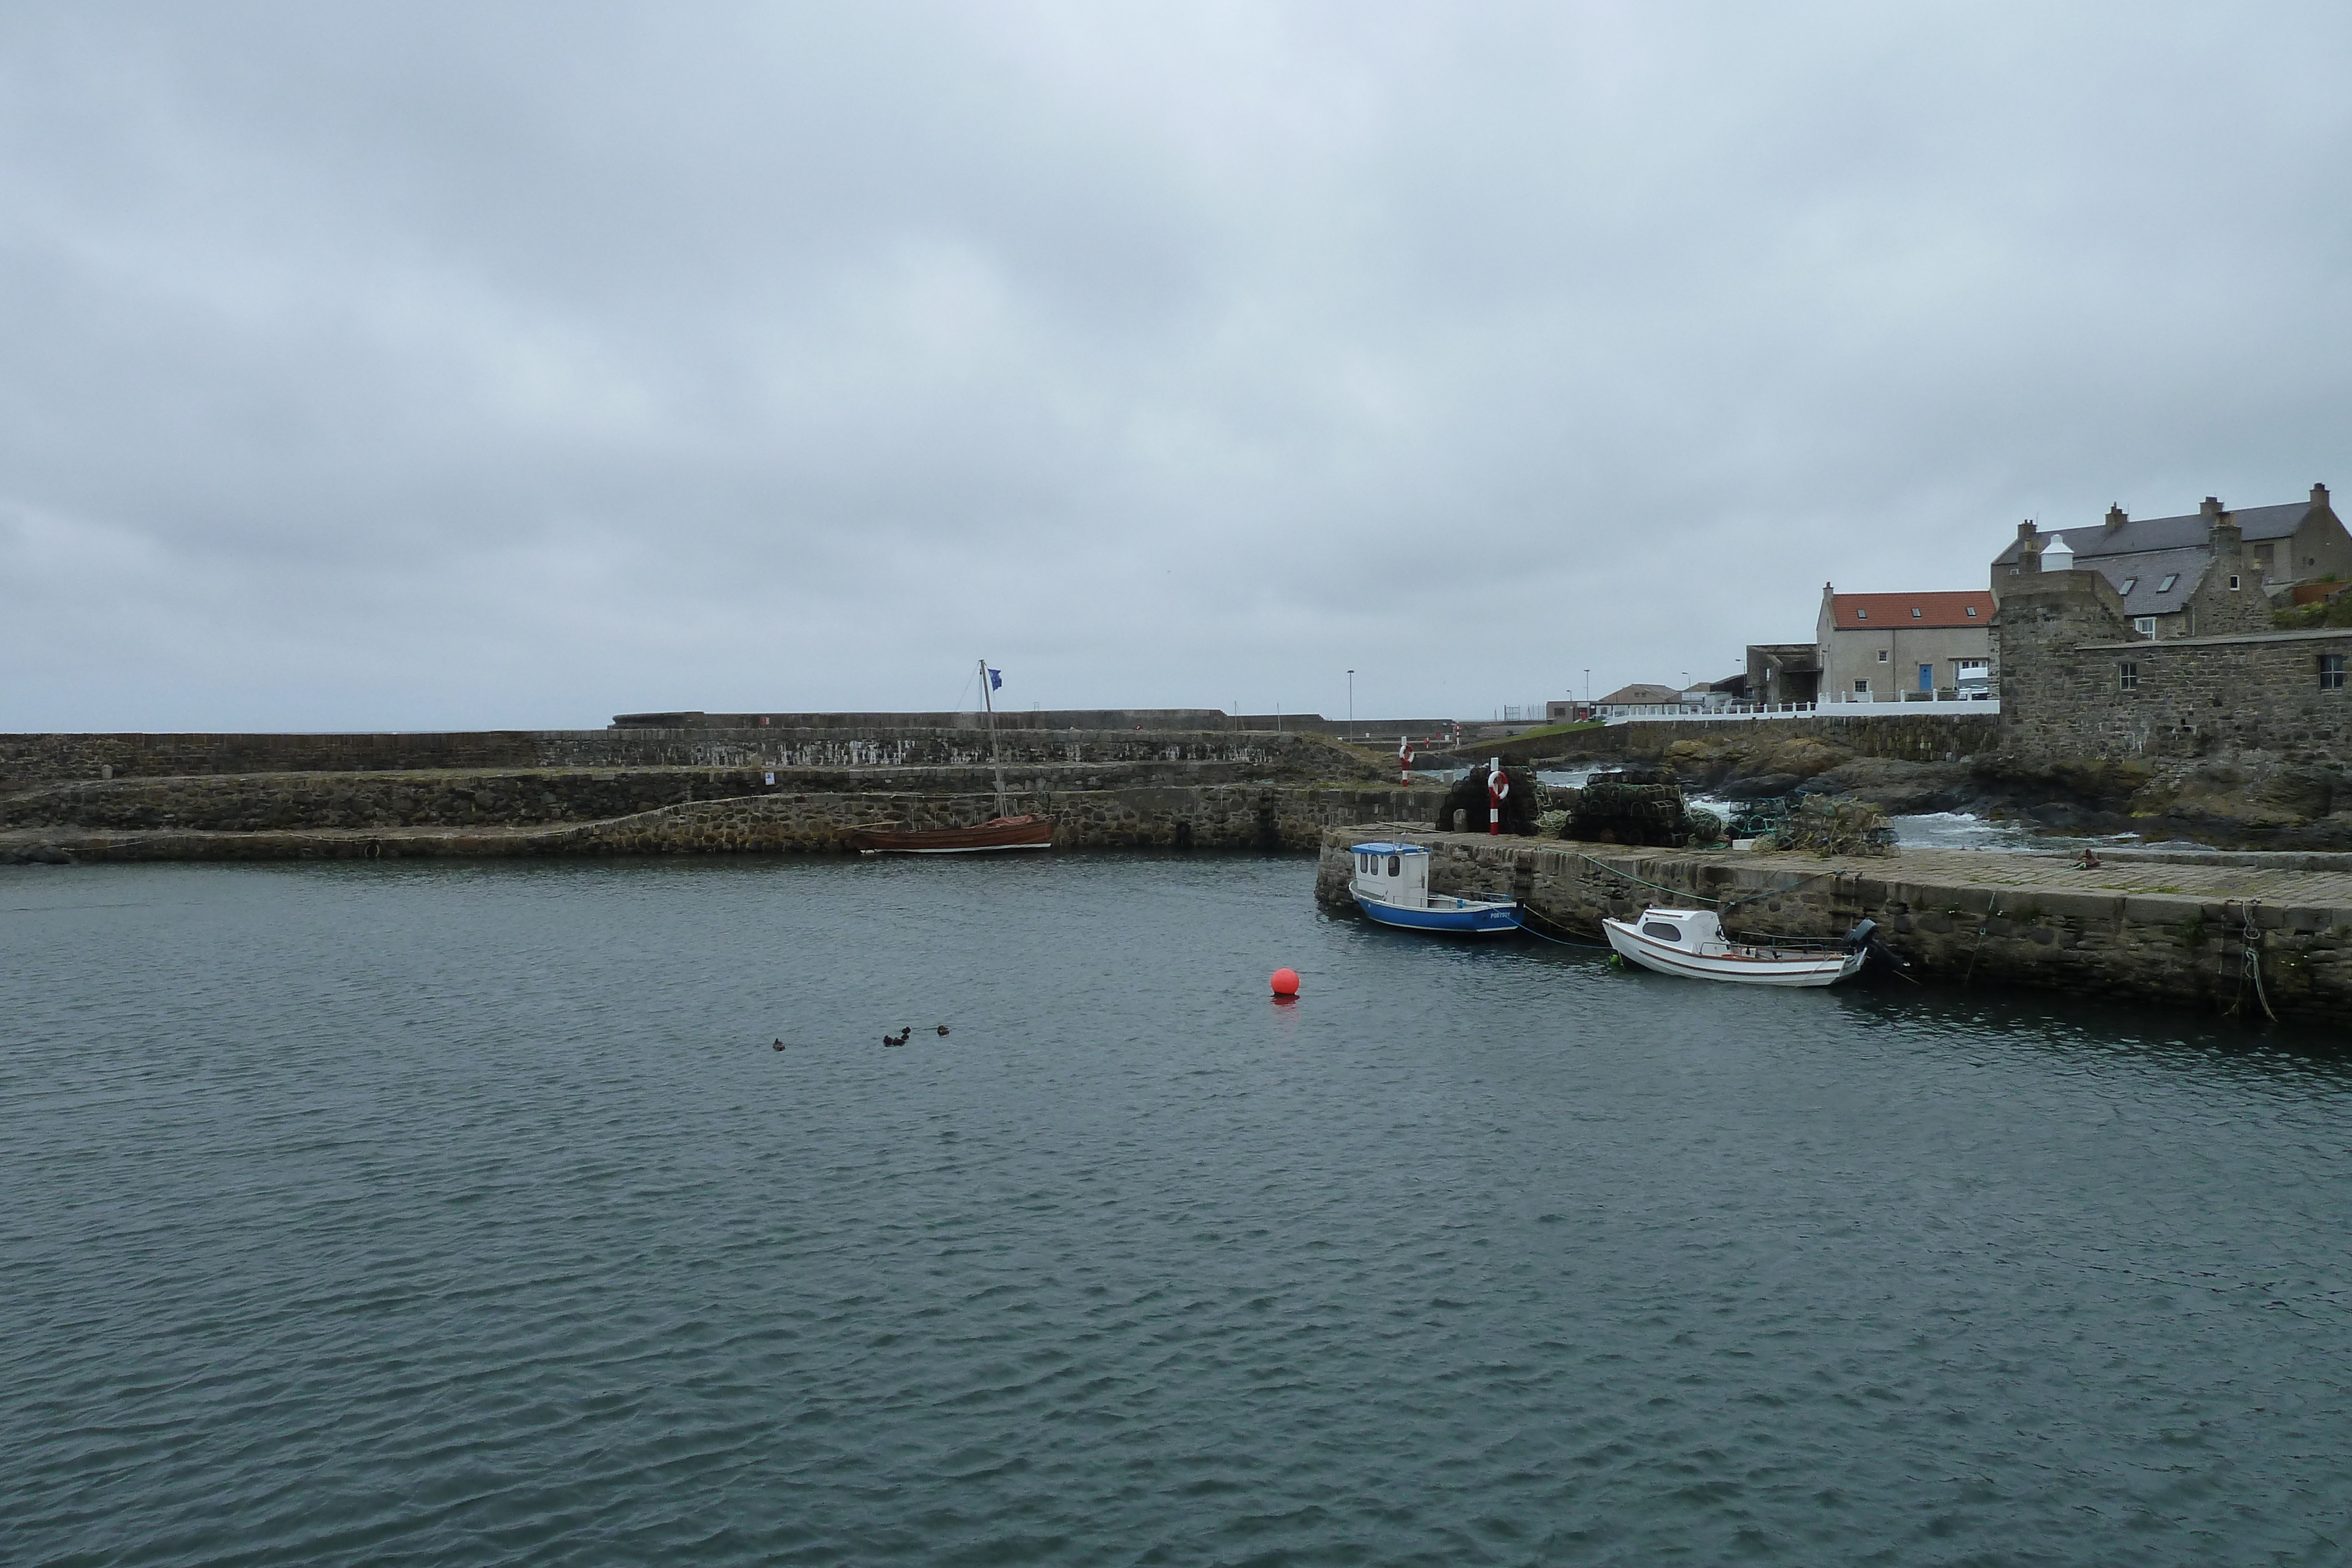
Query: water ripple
462,1214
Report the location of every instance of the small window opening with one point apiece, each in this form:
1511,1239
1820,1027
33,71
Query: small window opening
2127,676
1862,615
1915,613
2233,585
1972,609
2144,626
1862,687
1396,865
2331,672
2127,585
1882,655
2169,578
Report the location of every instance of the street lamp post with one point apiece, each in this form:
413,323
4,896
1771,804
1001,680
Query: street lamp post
1351,696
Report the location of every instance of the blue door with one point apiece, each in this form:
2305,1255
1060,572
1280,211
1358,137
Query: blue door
1927,677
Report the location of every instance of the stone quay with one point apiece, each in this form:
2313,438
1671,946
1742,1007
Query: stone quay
2221,930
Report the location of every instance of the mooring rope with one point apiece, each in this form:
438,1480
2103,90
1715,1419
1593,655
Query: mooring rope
1992,908
1525,913
2250,960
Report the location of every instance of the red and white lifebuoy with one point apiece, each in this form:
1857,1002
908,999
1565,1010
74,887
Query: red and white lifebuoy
1498,790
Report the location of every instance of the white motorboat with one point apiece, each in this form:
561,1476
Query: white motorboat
1691,942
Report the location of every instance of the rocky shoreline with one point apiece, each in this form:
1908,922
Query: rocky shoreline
2239,799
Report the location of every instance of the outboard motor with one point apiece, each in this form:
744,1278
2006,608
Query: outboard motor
1864,939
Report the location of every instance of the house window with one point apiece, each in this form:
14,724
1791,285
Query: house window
1915,613
2127,676
2128,584
2144,626
2331,672
1862,615
1882,655
1972,611
1862,688
2233,585
2311,560
2169,578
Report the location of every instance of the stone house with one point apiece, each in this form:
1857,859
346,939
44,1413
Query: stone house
2078,680
1890,647
2206,573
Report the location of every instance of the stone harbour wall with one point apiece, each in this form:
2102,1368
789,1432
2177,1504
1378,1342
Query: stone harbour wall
2141,946
1222,816
30,760
256,802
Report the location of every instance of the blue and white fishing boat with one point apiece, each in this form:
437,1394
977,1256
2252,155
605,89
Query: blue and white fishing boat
1390,885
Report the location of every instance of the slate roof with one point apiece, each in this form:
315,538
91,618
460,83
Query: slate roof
2140,535
1641,692
1882,611
2146,571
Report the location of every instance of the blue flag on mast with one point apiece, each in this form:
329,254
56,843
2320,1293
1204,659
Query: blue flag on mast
995,680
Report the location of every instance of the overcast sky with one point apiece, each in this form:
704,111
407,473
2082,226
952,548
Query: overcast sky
410,366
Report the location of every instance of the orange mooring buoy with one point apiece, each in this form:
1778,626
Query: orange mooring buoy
1286,982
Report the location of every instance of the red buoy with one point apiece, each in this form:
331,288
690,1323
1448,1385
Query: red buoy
1286,982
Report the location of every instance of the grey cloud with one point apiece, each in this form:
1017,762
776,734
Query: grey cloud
411,366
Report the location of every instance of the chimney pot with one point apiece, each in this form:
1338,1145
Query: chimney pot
2319,495
2025,530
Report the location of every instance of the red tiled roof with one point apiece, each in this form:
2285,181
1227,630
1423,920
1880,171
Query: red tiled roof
1879,611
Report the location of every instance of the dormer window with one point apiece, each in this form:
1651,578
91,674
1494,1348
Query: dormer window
2128,584
2169,578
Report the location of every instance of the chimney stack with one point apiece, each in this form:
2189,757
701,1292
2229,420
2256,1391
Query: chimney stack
2029,548
2319,495
2116,517
2210,510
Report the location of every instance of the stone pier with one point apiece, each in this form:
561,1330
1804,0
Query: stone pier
2191,929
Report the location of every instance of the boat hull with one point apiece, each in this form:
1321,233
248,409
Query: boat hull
997,833
1460,916
1777,969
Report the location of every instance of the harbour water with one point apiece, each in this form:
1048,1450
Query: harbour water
430,1213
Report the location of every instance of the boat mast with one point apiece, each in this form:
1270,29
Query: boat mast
988,701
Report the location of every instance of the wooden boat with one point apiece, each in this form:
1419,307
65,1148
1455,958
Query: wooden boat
1030,832
1691,942
998,833
1390,885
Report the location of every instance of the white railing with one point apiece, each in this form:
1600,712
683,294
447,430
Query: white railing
1665,714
